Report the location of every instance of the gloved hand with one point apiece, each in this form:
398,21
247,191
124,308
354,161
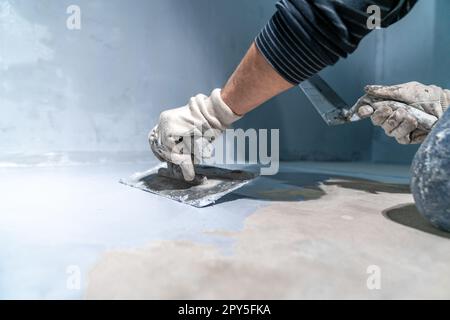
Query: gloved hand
407,111
185,135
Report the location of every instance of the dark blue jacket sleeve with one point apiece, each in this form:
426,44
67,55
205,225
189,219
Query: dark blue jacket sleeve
304,36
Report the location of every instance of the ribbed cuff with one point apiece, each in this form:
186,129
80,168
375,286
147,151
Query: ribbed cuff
290,50
286,52
304,36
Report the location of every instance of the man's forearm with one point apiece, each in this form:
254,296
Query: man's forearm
253,82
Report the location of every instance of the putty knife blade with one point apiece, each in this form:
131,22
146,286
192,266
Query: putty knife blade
219,183
331,107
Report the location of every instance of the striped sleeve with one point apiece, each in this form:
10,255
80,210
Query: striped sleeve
305,36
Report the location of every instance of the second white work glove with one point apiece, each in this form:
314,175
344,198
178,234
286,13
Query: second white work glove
407,111
185,135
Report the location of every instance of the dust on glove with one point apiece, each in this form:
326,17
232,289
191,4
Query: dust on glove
407,111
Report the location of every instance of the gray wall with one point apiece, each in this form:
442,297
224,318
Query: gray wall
102,88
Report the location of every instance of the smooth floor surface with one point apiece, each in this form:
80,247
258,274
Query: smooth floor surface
315,230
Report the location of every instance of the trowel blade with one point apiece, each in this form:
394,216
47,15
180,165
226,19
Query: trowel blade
331,107
219,182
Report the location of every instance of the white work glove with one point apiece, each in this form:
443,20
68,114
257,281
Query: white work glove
185,135
407,111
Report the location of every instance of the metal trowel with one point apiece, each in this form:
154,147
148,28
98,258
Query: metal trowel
210,183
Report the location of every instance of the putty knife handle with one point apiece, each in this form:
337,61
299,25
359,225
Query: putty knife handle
426,121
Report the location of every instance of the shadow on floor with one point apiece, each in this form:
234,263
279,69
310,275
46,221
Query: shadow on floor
299,186
408,215
369,186
281,187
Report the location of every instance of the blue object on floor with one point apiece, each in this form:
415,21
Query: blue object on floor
430,182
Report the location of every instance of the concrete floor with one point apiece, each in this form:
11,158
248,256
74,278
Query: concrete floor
312,231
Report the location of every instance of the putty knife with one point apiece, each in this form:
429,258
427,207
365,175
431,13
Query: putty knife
216,183
335,111
328,103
